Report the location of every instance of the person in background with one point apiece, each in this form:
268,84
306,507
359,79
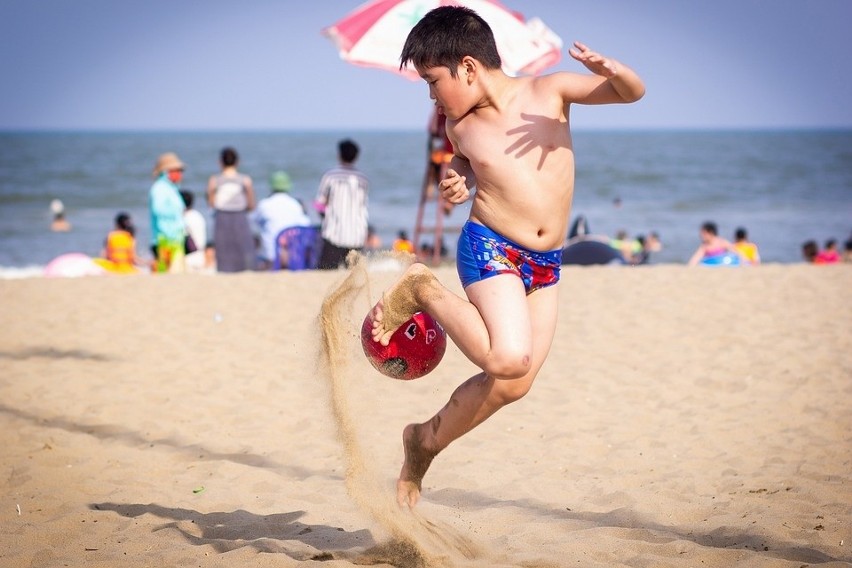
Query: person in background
650,244
342,203
374,241
231,195
711,244
59,224
629,248
276,212
166,207
829,254
196,237
746,249
847,251
120,247
402,244
810,251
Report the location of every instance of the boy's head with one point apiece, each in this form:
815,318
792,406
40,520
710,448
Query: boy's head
445,36
348,151
740,234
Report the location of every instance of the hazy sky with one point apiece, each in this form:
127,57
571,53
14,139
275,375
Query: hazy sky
263,64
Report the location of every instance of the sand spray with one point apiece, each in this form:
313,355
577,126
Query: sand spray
414,541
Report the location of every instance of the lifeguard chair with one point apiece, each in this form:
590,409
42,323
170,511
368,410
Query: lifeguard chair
438,155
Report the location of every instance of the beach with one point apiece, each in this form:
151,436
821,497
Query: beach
685,417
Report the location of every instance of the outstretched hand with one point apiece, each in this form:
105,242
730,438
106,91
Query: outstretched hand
454,187
594,62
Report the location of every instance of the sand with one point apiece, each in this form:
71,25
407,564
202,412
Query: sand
685,417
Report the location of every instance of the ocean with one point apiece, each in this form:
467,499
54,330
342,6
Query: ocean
784,187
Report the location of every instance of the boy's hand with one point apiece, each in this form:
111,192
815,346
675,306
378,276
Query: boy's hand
453,188
594,62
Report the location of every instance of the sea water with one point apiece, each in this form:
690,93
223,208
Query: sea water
784,187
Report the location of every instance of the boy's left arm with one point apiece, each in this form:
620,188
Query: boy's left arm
626,84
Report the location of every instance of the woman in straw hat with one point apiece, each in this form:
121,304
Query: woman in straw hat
167,227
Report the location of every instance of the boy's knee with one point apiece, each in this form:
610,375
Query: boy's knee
509,366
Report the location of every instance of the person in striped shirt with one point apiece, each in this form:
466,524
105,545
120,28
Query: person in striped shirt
342,203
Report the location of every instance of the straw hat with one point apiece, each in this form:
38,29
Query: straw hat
167,162
280,181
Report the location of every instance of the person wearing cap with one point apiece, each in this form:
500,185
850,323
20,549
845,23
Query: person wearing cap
166,206
276,212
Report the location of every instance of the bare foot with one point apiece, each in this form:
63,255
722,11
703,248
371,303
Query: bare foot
400,302
417,461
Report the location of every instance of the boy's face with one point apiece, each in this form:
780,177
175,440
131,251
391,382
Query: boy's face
447,91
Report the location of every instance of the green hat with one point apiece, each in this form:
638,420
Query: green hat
280,181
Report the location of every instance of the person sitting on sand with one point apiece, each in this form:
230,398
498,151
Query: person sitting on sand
829,254
120,247
512,142
402,243
746,249
630,249
712,245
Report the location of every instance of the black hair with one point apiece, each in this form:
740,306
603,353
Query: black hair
445,36
809,250
229,156
188,197
740,234
710,227
123,222
348,151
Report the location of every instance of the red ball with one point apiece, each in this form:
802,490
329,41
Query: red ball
413,350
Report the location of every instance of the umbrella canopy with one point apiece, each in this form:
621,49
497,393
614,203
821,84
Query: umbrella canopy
373,35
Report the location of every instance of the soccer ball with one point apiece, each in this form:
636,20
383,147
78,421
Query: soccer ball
413,351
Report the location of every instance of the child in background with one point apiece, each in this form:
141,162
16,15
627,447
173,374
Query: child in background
712,245
511,142
402,244
119,254
746,249
829,254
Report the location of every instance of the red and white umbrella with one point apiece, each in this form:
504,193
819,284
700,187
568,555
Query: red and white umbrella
373,35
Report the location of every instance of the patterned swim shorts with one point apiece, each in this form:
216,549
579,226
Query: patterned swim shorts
482,253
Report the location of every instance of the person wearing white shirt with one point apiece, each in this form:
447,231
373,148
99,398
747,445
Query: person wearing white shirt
196,229
276,212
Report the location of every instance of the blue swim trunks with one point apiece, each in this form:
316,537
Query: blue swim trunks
482,253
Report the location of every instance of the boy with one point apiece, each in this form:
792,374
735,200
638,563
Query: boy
511,140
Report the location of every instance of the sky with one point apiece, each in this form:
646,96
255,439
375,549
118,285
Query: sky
265,65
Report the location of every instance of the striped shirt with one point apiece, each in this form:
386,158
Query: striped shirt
343,193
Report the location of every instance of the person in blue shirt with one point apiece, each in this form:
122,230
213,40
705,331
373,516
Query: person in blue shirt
168,232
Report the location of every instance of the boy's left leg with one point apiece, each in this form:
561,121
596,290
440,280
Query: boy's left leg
475,400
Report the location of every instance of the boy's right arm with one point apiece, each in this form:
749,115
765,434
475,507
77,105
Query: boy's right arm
455,187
